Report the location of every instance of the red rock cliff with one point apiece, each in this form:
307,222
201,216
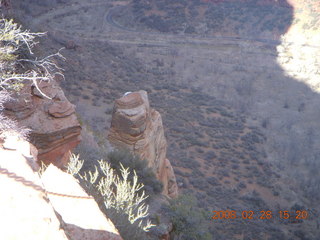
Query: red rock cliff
54,127
139,128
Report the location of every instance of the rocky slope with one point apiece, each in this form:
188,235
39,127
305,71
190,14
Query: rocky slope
139,128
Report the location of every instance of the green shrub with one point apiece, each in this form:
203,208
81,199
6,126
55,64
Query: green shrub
189,221
140,166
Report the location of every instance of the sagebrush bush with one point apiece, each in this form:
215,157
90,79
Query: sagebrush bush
121,199
75,164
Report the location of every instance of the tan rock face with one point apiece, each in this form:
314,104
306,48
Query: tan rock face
28,208
169,179
81,217
55,129
25,211
139,128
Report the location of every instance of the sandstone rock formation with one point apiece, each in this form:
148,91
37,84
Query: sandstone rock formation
54,127
139,128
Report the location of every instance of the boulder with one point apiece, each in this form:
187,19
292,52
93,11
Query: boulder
51,118
139,128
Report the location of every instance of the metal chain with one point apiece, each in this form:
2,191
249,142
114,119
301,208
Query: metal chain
37,187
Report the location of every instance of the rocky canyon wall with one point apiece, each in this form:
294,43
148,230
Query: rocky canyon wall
139,128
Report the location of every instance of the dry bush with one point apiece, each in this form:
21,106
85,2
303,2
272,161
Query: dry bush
19,65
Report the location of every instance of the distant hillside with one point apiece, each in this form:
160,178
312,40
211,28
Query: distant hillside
240,18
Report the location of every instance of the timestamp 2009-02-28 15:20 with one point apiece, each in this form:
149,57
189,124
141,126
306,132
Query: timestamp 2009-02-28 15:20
248,214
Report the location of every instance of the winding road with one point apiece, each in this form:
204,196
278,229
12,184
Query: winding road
114,32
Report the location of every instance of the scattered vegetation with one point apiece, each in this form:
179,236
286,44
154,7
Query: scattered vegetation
240,17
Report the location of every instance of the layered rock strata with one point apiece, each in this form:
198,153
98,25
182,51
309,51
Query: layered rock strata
139,128
51,118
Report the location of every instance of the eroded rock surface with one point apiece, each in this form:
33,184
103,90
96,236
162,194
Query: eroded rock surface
55,129
139,128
